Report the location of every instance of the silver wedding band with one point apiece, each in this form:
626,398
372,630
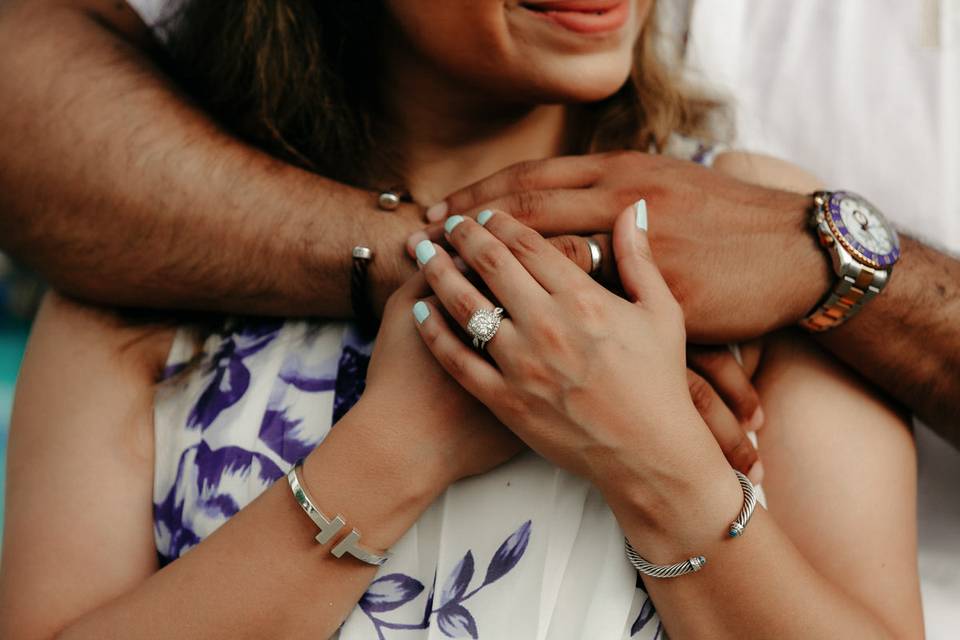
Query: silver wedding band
596,256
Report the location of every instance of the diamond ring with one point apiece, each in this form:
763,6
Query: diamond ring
483,325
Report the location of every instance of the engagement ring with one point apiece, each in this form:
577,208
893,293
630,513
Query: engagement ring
483,325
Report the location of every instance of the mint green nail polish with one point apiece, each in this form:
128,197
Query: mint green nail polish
484,216
425,251
452,223
640,209
421,311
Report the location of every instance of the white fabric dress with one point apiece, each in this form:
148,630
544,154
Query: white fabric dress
524,552
527,551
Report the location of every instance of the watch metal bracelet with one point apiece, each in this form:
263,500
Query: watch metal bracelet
857,285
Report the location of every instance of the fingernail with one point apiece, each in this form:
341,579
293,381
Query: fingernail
452,223
756,420
756,471
425,251
640,210
421,311
437,212
484,216
415,238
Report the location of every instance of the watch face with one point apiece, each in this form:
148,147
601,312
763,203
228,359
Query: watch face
862,230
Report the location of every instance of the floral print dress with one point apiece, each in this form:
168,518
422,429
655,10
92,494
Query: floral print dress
526,551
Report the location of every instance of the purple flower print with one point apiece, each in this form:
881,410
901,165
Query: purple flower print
230,376
453,619
456,622
208,478
351,373
389,592
509,553
647,611
289,436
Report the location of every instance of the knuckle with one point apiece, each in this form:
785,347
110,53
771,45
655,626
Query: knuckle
709,359
491,258
431,334
470,196
527,204
456,365
533,375
464,304
742,456
551,336
513,404
586,304
526,242
525,175
575,248
701,393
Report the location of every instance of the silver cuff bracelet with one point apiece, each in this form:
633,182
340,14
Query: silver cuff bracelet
329,528
696,563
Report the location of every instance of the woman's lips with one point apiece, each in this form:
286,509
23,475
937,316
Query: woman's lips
583,16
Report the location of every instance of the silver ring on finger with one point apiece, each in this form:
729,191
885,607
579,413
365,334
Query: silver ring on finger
596,256
483,326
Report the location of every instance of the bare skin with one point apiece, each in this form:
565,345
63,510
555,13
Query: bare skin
249,579
758,267
566,344
76,225
258,574
150,184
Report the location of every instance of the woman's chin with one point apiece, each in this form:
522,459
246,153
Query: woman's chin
582,93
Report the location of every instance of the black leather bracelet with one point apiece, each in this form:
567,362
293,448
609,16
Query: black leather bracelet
364,317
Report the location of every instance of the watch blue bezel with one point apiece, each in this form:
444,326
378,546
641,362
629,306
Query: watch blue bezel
860,253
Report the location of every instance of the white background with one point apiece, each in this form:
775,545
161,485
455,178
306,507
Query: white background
866,95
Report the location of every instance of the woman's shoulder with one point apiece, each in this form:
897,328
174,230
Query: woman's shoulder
76,329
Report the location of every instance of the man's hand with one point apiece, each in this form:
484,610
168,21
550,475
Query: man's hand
737,256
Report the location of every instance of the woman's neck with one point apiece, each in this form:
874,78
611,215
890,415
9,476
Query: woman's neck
444,136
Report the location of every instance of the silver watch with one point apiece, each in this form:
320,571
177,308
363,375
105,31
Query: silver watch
863,248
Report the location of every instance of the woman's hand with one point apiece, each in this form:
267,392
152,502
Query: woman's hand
594,382
444,431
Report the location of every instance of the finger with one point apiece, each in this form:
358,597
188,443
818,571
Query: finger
413,287
576,249
465,365
569,172
641,279
557,211
415,238
513,284
719,366
458,295
534,254
733,440
433,233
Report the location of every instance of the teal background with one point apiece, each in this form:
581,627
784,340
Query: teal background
13,338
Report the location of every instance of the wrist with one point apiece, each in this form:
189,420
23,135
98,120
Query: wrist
803,274
672,505
386,234
362,473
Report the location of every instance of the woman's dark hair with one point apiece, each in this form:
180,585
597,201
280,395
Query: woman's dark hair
297,78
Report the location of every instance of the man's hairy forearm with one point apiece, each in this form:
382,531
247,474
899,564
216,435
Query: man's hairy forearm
117,190
907,340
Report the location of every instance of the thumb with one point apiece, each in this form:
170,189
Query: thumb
639,275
